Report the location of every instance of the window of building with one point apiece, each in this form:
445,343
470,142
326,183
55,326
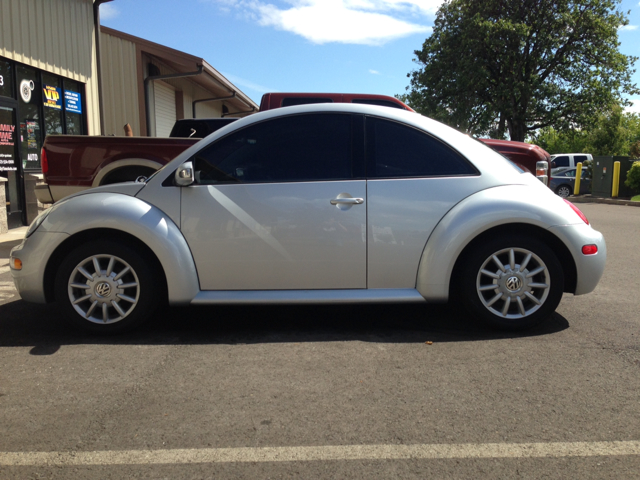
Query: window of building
52,101
6,79
73,110
29,116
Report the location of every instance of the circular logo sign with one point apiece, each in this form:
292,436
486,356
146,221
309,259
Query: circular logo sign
513,283
26,87
103,289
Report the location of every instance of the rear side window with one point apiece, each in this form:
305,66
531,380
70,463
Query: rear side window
396,151
292,101
580,158
297,148
562,161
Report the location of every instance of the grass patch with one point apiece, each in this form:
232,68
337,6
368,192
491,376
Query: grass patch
636,198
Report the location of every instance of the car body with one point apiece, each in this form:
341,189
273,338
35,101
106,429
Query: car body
328,203
563,181
560,160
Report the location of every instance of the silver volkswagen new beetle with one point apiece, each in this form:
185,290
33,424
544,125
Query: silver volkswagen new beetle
329,203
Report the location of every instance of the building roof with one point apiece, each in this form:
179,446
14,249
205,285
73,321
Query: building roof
211,79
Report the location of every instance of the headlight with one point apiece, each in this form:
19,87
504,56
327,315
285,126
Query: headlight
37,222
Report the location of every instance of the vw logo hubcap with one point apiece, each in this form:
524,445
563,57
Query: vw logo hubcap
103,289
513,283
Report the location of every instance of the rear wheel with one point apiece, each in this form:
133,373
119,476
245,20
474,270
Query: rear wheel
107,287
512,283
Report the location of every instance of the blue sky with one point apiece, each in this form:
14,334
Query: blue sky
351,46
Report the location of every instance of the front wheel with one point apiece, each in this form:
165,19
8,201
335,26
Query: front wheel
563,191
107,287
512,282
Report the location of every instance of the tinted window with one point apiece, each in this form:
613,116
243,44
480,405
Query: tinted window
562,161
396,150
291,101
580,158
381,103
291,149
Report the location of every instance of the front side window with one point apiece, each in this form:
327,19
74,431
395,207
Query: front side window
396,151
561,161
297,148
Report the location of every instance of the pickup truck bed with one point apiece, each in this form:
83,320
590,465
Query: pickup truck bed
72,163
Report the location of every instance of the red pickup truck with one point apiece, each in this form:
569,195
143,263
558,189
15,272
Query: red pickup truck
526,155
74,163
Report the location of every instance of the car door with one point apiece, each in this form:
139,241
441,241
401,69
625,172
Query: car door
413,180
279,205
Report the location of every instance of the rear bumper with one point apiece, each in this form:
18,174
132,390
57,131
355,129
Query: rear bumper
589,268
43,194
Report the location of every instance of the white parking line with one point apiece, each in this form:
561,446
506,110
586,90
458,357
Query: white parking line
7,289
322,453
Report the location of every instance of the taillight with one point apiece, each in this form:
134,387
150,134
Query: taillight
577,210
542,167
44,162
590,249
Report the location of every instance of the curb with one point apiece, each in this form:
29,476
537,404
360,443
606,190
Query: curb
606,201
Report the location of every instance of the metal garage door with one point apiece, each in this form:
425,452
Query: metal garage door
165,103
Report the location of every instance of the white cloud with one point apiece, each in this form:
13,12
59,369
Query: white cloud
248,84
108,11
364,22
374,72
628,27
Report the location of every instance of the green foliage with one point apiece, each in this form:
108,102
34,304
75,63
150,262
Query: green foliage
633,177
494,66
610,133
634,151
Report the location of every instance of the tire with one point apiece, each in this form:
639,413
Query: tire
511,282
114,296
564,191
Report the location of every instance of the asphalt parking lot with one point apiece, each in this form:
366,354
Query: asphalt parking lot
331,392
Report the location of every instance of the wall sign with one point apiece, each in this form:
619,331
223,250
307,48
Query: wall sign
1,81
7,139
52,98
26,87
72,102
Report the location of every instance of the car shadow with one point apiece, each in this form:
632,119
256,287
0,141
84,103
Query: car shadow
43,328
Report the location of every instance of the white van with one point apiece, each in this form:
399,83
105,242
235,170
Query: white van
568,159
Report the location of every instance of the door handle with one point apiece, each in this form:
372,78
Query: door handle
347,201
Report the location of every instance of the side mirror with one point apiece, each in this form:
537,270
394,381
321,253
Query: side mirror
184,175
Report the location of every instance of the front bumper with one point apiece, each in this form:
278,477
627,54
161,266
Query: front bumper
589,268
34,252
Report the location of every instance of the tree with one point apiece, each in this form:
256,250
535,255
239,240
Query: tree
611,133
520,65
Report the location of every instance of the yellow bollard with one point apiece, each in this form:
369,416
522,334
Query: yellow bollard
576,188
616,180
